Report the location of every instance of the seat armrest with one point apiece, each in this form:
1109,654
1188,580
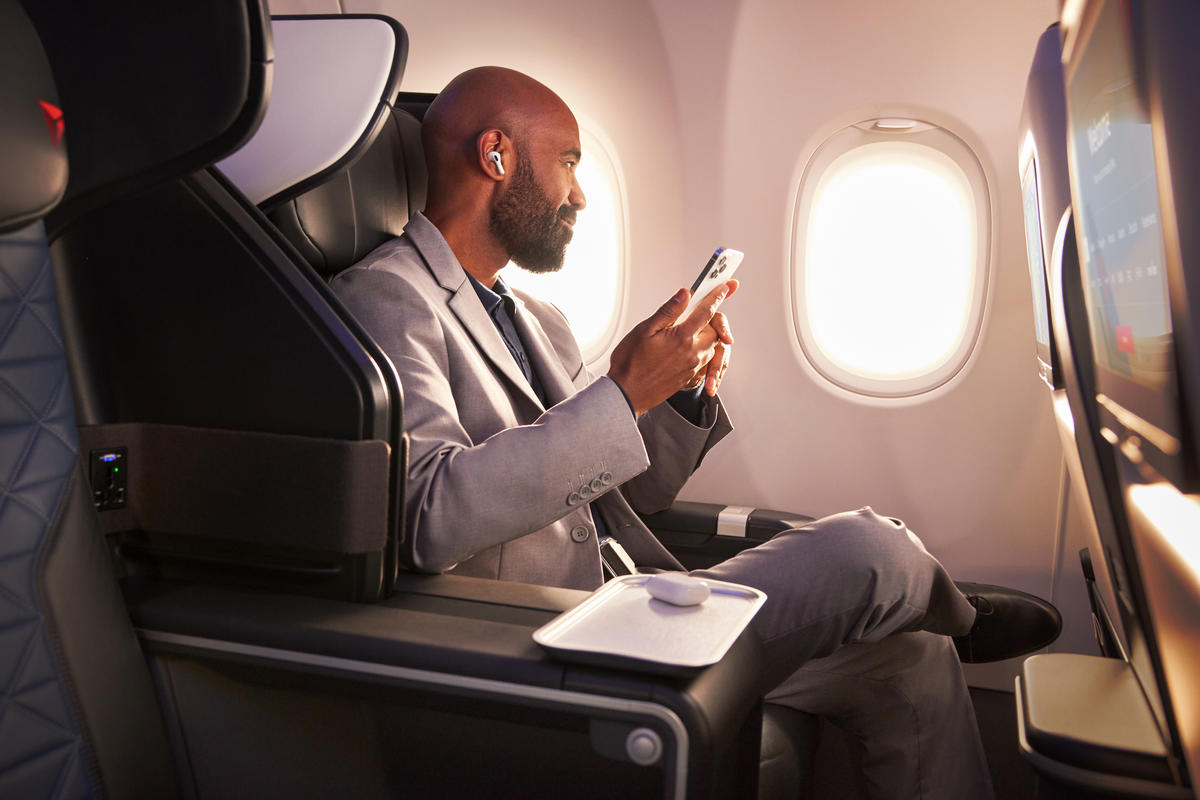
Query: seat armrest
548,599
1083,720
703,534
441,645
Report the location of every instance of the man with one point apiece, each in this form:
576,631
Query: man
519,461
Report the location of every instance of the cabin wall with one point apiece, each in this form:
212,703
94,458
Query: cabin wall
975,466
713,108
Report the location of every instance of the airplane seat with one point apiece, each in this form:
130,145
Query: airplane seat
1099,723
186,323
1154,441
79,714
357,190
1063,351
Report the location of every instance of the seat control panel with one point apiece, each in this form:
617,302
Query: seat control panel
109,473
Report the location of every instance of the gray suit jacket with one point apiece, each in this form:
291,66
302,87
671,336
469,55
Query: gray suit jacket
499,486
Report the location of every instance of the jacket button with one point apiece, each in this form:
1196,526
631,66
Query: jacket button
580,533
585,490
606,478
574,499
597,484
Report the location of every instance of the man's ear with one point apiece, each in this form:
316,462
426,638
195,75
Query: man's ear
494,153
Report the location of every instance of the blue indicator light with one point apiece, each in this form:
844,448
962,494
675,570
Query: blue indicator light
108,458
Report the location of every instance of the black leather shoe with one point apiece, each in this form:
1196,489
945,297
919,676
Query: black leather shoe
1008,623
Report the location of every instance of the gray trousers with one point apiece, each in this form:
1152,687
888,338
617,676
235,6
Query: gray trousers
855,629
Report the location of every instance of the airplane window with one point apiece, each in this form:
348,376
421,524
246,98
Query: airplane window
590,288
889,257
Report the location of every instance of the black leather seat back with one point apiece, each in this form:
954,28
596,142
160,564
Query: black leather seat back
1044,126
263,445
192,87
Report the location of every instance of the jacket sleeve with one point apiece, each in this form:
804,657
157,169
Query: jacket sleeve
675,448
674,445
462,495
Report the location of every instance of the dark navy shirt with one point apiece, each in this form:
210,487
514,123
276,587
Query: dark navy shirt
501,305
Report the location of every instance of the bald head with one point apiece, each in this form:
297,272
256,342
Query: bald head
478,100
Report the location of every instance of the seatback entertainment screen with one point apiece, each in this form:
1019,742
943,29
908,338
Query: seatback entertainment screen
1121,247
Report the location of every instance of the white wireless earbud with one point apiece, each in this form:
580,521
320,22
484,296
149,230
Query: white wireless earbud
494,157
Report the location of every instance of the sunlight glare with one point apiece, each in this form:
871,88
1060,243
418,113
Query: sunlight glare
889,272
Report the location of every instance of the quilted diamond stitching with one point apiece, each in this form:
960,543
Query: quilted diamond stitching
41,747
21,532
51,774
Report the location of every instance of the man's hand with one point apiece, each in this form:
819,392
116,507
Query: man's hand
714,371
664,353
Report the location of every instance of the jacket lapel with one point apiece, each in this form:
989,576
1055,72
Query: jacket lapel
465,304
555,380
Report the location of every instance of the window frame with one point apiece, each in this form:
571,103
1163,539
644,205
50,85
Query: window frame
844,139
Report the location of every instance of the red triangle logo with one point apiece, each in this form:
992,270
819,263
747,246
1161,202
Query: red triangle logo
54,121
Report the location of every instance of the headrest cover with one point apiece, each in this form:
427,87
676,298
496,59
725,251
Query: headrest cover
335,78
151,94
33,151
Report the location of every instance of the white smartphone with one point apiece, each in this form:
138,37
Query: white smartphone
720,268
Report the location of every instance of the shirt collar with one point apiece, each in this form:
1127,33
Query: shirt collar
491,298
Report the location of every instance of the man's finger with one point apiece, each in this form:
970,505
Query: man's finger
671,310
720,324
703,313
716,369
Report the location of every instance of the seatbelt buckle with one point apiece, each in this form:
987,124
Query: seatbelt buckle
614,559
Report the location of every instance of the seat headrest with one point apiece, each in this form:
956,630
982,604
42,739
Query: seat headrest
33,153
334,79
334,164
361,206
151,95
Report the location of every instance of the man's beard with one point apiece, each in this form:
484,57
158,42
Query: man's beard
528,225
